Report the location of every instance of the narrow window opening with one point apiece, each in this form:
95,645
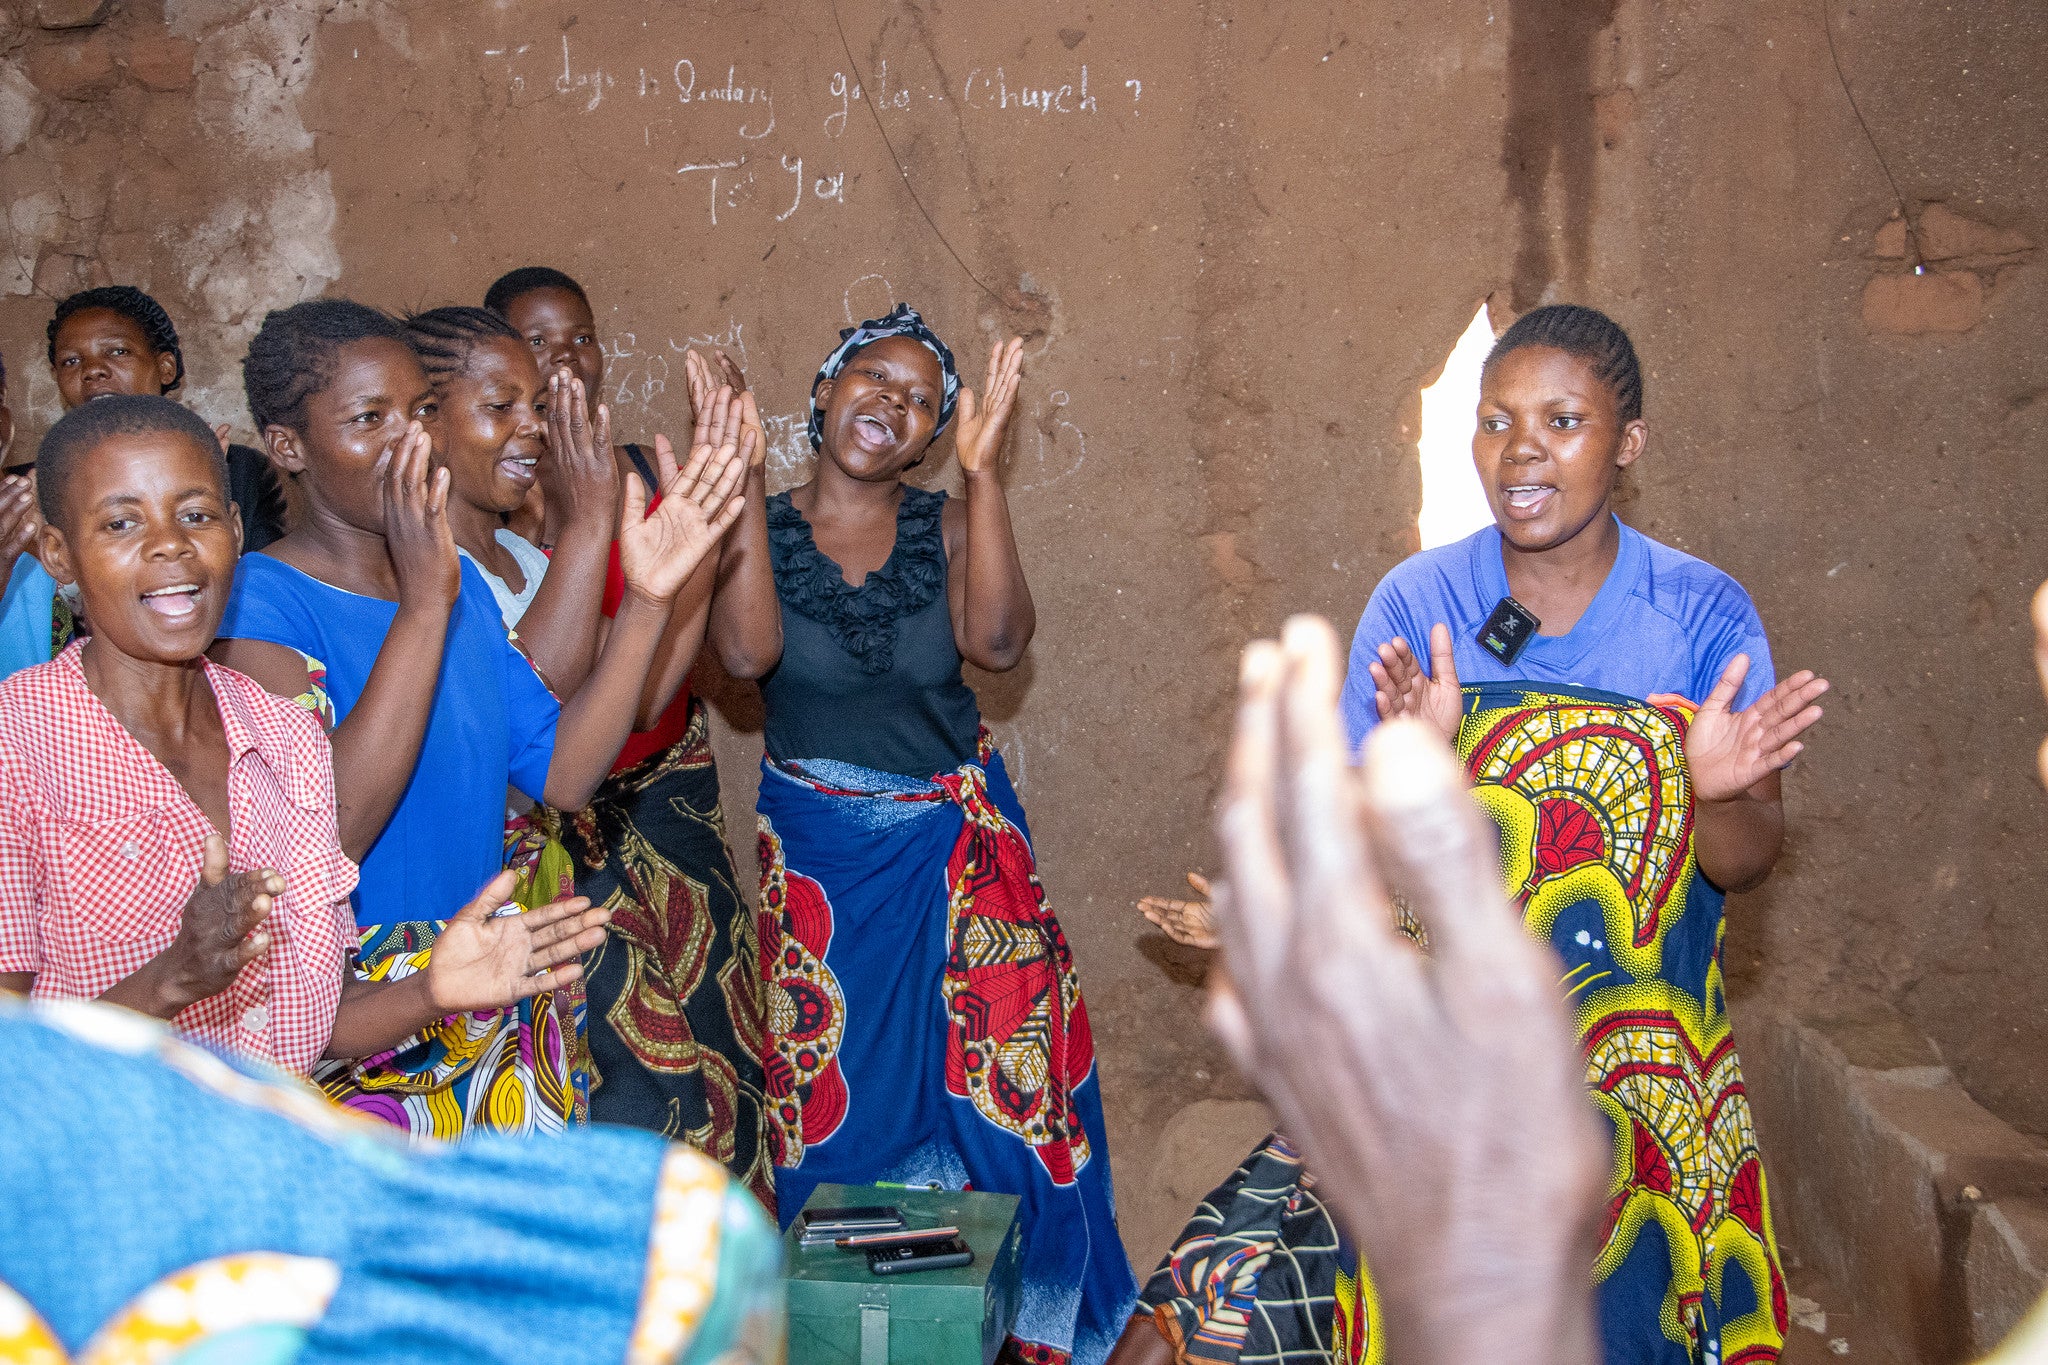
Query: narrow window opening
1453,504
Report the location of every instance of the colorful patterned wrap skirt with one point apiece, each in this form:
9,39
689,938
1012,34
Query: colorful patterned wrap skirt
1261,1275
496,1071
675,1031
925,1024
1591,797
166,1204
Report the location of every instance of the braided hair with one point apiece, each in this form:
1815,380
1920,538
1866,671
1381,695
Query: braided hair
514,284
291,357
131,303
1590,335
444,337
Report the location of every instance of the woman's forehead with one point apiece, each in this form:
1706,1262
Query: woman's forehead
88,324
550,306
1543,372
903,353
374,367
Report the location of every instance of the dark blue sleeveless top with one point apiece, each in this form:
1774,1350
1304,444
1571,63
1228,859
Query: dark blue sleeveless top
869,675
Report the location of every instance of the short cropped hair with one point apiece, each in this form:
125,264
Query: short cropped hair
82,430
514,284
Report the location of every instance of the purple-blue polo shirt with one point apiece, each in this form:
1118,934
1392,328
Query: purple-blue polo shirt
1663,622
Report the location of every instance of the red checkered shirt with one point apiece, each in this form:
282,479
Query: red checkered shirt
100,848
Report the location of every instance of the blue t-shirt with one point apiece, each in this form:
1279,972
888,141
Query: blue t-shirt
25,616
1663,622
493,725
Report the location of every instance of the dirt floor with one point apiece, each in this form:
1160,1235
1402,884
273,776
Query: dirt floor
1239,237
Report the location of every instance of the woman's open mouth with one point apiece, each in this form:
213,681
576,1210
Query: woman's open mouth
873,432
176,604
1526,501
520,469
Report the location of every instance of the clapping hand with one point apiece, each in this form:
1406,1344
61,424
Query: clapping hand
1401,688
659,550
579,478
484,960
20,524
1192,924
416,531
1440,1099
704,388
1728,752
220,932
984,419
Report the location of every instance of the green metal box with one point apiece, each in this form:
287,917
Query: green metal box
841,1314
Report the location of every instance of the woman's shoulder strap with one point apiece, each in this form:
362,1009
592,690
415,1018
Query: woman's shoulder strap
643,467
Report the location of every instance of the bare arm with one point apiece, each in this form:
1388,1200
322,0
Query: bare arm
745,628
657,553
993,617
377,747
560,627
482,960
676,655
1737,841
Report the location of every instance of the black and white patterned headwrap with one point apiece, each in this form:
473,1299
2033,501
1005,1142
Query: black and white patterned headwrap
902,321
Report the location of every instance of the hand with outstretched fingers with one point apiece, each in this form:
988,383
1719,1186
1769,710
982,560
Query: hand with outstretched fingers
983,420
221,931
1192,924
416,531
704,389
1401,688
1728,752
1440,1099
658,550
579,478
487,960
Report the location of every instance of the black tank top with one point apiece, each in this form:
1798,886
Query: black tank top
869,675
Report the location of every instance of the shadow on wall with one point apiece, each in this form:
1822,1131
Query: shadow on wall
1550,137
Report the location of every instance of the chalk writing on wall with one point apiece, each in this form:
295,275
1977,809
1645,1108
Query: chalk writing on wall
717,117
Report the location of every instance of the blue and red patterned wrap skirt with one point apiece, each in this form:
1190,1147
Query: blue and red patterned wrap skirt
926,1024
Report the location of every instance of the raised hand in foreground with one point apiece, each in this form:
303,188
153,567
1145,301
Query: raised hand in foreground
659,549
490,956
1440,1099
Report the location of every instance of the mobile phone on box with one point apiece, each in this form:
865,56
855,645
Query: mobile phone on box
824,1226
896,1237
909,1258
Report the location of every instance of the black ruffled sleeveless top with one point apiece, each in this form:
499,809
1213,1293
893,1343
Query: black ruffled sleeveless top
869,675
